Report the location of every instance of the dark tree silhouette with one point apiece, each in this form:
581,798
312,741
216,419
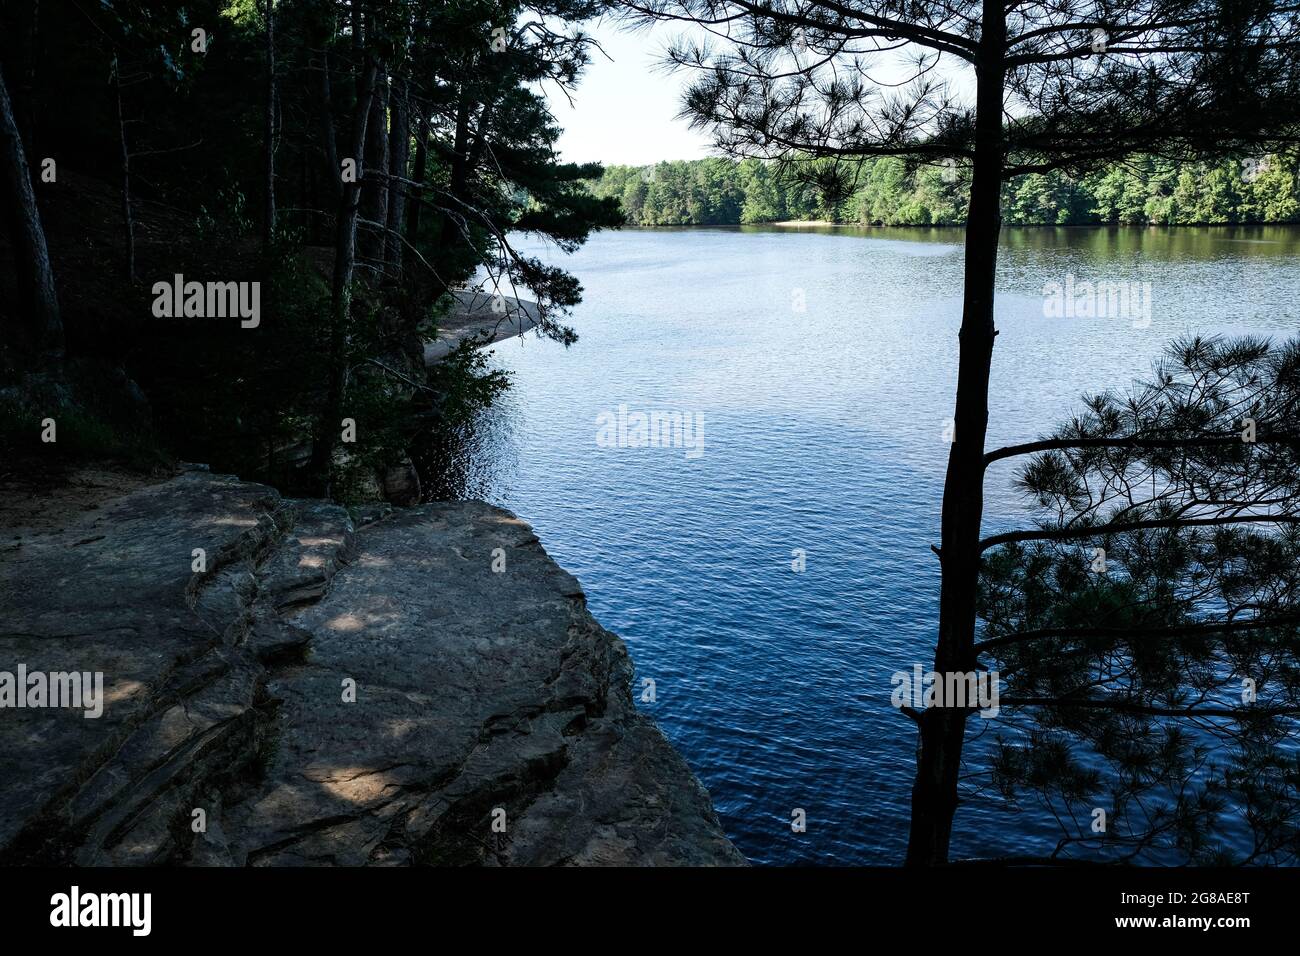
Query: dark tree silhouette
1147,631
1064,85
459,79
455,157
269,122
44,327
493,134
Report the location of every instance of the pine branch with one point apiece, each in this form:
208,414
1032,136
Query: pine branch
1207,441
1121,527
1128,707
1157,633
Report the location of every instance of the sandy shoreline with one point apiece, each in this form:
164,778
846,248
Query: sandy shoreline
476,318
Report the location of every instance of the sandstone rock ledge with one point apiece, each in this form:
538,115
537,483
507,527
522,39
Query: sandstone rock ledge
477,692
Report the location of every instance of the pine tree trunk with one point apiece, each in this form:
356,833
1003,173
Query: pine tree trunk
417,173
359,61
374,189
345,250
128,221
36,288
329,141
28,106
268,211
450,233
399,151
943,729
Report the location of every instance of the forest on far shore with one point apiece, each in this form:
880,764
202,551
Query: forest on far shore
1145,190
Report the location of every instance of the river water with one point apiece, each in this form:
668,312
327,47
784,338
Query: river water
818,365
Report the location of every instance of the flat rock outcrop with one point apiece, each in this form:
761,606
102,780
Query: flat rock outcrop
281,687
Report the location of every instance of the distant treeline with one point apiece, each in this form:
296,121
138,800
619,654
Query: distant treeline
1145,190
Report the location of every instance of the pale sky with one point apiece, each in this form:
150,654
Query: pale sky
624,111
625,108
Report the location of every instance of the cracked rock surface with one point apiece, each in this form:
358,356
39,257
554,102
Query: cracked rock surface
427,688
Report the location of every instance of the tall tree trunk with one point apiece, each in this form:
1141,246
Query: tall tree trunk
374,189
459,178
359,60
35,275
943,729
268,211
28,109
329,141
128,221
480,136
417,173
307,176
345,250
399,151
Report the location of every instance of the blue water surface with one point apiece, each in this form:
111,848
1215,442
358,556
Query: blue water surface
822,363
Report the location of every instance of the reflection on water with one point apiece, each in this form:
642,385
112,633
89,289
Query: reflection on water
468,462
821,362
